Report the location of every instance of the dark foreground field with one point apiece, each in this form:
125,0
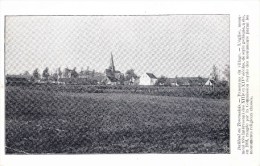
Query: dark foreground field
41,121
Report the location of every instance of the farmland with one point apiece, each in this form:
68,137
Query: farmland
84,119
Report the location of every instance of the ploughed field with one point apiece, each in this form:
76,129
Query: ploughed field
45,121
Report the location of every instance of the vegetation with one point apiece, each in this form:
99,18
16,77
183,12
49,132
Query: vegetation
214,74
130,74
36,74
45,73
221,91
161,80
226,72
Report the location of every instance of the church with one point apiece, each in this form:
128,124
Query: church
112,76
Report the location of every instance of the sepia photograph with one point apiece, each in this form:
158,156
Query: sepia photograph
117,84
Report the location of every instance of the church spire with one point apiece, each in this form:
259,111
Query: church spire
112,66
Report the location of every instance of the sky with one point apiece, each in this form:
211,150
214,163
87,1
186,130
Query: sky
169,45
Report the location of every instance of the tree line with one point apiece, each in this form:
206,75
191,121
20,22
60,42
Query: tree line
129,74
72,73
66,73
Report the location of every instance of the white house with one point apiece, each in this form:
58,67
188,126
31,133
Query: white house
147,79
210,82
174,84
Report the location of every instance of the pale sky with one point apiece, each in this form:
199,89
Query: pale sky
169,45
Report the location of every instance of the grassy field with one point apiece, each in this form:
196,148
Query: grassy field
46,121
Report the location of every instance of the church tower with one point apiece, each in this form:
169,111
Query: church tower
112,66
113,76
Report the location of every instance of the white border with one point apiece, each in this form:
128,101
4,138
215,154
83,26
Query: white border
58,7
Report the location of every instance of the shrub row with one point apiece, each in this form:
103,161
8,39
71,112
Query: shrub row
221,92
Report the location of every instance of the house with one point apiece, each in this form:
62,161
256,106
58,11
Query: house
147,79
18,79
132,81
174,83
210,82
186,81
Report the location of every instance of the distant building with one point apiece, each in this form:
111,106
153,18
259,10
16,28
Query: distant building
210,82
112,76
110,80
132,81
174,83
147,79
187,81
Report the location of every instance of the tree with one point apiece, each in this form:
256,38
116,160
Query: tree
121,79
86,72
226,73
81,73
74,73
201,80
45,73
66,72
55,76
36,74
214,73
161,80
93,73
130,74
59,73
168,82
26,73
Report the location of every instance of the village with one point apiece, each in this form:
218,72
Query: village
110,108
111,76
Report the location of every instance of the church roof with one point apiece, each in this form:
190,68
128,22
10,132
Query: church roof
112,79
188,80
112,66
